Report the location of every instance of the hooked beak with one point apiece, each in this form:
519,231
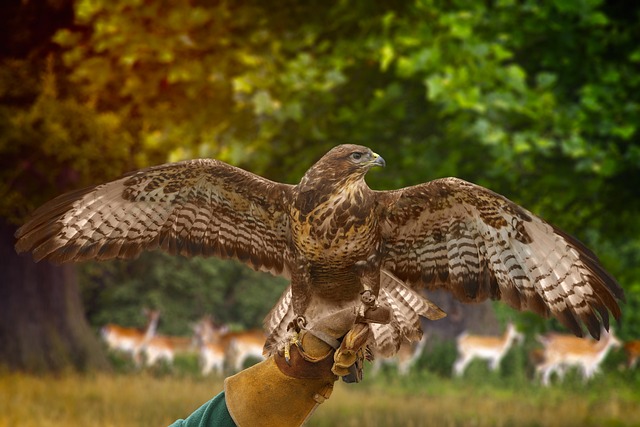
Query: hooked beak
378,160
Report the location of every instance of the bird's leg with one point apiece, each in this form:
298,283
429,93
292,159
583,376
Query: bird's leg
295,327
369,272
368,298
300,298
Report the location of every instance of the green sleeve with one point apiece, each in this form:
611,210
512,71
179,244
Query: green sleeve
213,413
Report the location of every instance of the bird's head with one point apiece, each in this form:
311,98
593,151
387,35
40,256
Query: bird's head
341,165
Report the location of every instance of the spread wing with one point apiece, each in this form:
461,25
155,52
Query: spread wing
455,235
196,207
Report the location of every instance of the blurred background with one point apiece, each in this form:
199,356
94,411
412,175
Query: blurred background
538,101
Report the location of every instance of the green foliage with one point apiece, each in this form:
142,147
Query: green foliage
438,359
182,289
536,100
75,147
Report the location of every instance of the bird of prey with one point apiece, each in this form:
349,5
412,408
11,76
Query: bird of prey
340,243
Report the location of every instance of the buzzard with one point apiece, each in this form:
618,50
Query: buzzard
340,243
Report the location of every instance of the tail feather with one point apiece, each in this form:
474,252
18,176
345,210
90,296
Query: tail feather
406,306
386,339
276,322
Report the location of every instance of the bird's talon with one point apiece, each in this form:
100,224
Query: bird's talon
287,348
287,353
294,339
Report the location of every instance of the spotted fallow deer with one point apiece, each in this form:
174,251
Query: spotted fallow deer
165,348
562,352
131,341
489,348
236,347
242,345
632,349
210,347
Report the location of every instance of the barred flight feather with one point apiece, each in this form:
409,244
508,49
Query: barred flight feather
197,207
478,245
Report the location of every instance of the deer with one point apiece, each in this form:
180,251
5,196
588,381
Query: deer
210,347
131,341
562,351
236,347
632,348
165,348
489,348
241,345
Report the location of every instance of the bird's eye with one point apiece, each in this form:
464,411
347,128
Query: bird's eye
356,156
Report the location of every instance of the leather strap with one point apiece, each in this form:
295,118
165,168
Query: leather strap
299,367
331,341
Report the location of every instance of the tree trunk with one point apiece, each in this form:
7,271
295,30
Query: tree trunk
42,322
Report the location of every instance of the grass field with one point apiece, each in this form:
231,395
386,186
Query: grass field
425,399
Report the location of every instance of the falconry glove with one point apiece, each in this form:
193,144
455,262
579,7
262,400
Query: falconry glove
277,392
329,334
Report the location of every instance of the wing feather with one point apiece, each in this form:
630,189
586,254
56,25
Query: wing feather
455,235
197,207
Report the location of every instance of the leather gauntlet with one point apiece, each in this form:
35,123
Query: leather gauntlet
280,393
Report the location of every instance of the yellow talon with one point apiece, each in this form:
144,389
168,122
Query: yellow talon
287,352
293,340
296,325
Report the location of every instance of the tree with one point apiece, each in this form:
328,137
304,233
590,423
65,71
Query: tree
42,322
536,101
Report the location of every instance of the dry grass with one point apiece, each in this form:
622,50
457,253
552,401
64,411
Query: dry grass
457,404
150,401
100,400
